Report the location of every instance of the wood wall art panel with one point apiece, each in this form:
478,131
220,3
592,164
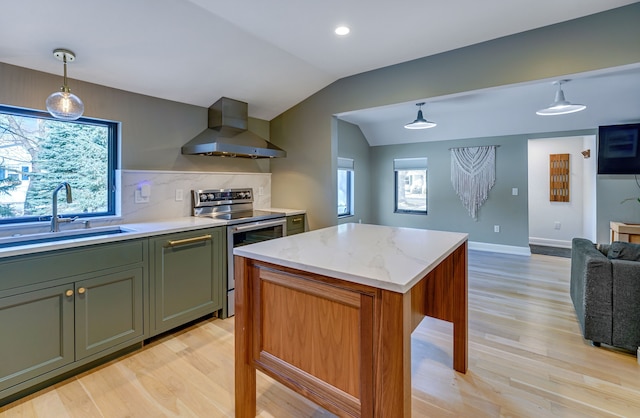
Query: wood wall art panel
559,175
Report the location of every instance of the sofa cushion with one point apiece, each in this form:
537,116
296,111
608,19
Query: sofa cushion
624,251
603,248
626,304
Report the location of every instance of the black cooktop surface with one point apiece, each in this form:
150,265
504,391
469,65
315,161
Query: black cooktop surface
245,216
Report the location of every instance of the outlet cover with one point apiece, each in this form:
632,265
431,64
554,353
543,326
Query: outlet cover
179,195
496,228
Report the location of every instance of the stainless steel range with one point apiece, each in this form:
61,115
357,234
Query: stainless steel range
244,224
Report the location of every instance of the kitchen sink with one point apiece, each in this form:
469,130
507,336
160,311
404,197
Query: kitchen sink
47,237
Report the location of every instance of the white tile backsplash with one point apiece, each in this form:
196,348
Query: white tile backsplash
162,202
163,186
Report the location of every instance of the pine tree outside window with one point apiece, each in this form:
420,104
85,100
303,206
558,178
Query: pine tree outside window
38,152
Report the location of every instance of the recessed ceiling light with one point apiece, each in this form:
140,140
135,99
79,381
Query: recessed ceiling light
342,30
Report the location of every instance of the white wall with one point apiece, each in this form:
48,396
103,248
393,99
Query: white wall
574,216
590,168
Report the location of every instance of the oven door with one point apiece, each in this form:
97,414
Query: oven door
245,234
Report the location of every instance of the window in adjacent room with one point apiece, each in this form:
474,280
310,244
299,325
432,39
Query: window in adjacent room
345,187
38,152
410,185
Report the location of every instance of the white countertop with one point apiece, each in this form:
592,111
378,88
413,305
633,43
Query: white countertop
287,212
137,230
134,230
385,257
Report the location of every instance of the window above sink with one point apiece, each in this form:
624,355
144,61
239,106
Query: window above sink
38,152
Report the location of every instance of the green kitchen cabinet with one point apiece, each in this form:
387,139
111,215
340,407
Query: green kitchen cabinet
37,334
188,277
108,311
295,224
63,309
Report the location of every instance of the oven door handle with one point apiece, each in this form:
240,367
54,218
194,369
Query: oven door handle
257,225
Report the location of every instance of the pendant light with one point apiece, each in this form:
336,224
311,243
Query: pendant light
63,104
420,122
560,106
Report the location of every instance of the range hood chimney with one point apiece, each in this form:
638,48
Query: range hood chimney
227,135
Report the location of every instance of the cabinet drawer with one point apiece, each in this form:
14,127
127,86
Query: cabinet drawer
295,224
69,262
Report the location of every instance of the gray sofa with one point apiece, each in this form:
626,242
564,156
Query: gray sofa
605,290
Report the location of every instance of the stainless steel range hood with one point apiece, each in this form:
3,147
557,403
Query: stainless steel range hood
227,135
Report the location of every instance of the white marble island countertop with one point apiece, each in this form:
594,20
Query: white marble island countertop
385,257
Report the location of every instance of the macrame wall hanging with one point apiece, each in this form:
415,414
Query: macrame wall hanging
473,174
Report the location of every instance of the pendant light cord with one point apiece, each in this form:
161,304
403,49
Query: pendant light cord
65,88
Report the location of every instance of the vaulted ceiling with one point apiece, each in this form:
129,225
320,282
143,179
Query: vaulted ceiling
270,54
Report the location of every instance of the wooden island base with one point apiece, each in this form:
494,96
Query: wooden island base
345,346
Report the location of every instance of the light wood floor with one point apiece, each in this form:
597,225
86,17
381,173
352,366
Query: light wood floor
526,359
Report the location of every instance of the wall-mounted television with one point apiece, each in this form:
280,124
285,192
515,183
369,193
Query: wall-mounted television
619,149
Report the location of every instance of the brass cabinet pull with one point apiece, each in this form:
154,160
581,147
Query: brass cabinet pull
188,240
69,292
295,220
82,290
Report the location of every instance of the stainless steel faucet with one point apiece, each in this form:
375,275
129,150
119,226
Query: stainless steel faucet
55,221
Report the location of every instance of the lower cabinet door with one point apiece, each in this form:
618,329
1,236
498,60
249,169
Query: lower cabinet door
187,277
36,329
109,311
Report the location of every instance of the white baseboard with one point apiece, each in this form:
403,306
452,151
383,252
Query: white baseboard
499,248
550,242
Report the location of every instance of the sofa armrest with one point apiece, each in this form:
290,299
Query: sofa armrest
592,290
626,304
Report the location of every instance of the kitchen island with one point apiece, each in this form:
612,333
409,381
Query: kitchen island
329,313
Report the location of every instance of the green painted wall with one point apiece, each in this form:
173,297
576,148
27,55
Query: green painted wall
153,130
444,209
354,145
307,178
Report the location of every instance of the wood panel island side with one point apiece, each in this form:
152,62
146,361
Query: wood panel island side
329,313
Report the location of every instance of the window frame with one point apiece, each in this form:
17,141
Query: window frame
113,142
347,165
410,164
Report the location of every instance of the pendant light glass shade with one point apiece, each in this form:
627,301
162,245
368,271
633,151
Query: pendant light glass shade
420,122
63,104
560,106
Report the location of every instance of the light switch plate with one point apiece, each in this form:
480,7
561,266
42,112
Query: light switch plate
145,190
179,195
138,198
